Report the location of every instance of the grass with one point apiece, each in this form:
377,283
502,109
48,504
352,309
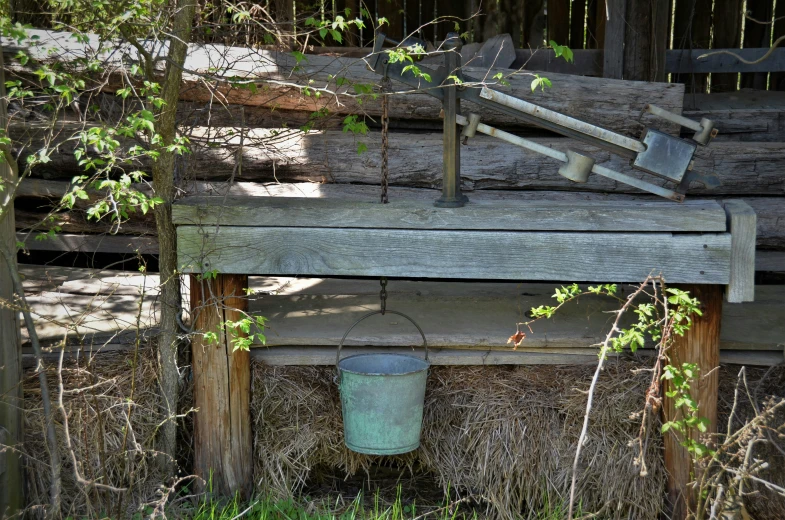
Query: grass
339,509
305,509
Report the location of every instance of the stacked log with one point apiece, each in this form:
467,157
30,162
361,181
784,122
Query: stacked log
251,135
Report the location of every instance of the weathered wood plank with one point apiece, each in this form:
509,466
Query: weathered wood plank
691,30
287,356
770,261
742,225
686,61
91,243
699,345
540,215
479,315
326,356
727,35
748,115
613,54
456,254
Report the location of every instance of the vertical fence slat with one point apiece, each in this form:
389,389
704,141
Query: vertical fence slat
727,34
591,25
615,29
559,21
777,80
692,30
757,35
577,20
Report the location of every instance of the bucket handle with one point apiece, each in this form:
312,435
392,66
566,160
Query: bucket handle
343,339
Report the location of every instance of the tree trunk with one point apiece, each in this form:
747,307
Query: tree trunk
163,186
11,432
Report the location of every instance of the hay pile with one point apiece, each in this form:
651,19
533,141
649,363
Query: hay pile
98,420
507,434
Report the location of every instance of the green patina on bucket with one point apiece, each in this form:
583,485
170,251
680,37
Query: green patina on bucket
382,398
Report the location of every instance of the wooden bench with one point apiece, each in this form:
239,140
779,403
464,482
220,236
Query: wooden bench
704,244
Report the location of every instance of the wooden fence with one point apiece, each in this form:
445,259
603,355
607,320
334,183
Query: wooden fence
659,25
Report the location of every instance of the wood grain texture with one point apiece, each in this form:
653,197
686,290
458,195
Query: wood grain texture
222,388
288,356
326,356
613,55
280,78
742,224
691,30
91,243
727,35
456,254
478,315
416,160
699,345
541,215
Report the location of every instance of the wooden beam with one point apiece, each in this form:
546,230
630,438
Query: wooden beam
613,58
686,61
742,225
222,387
699,345
11,405
542,215
91,243
503,255
324,356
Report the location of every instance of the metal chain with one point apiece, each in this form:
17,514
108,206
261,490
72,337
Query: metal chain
386,89
383,294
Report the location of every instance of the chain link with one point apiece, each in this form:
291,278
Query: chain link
383,294
386,89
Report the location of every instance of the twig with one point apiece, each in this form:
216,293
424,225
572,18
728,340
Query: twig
762,58
603,356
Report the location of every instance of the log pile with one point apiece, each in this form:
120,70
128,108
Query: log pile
215,114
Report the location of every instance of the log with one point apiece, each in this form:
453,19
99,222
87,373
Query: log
416,160
747,115
613,104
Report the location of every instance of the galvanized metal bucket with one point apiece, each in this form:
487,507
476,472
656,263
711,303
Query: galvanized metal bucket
382,397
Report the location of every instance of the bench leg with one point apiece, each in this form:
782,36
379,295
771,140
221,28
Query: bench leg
700,345
222,388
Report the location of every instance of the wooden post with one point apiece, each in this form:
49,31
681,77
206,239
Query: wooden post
11,433
700,345
222,387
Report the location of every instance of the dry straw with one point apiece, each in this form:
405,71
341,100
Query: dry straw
113,437
507,434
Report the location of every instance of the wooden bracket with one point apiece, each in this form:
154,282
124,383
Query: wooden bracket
742,223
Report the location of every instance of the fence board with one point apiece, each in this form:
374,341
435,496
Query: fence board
692,30
687,61
577,20
777,79
727,34
757,35
559,21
